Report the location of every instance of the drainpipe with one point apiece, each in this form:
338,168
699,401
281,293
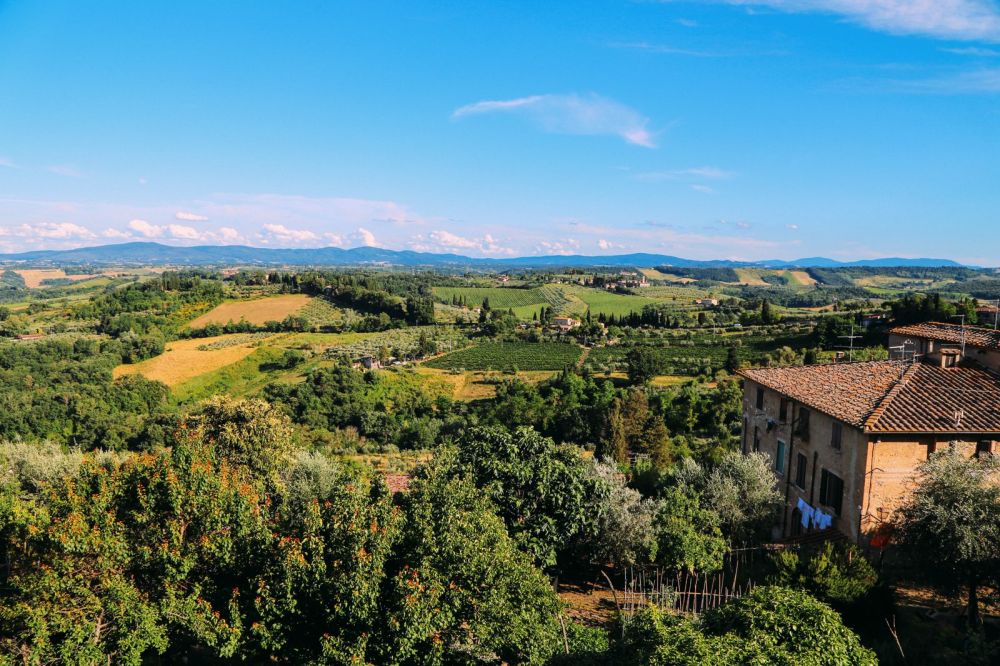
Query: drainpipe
785,527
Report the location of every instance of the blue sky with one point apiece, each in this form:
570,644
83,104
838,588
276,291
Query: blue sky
714,129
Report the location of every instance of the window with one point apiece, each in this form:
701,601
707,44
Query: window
984,448
779,459
836,435
756,440
783,411
831,491
760,398
800,470
803,427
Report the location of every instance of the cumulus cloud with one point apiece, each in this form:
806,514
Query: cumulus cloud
941,19
364,237
184,232
48,230
571,114
116,234
445,241
144,228
282,233
608,245
189,217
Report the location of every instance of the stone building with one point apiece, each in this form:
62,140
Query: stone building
845,439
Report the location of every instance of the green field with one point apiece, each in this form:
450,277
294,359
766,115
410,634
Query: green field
700,352
501,298
509,356
600,301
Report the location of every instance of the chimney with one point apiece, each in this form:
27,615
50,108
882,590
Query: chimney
950,358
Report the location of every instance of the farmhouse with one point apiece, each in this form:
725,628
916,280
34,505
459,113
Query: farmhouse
931,339
845,439
565,323
707,302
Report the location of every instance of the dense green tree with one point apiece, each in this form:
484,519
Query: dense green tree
543,491
688,535
643,365
949,526
771,625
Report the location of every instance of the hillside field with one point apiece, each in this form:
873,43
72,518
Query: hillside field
509,356
258,311
184,360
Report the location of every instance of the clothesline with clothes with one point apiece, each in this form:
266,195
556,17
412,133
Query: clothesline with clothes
813,517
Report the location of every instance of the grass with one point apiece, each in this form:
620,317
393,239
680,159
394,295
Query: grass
244,377
801,278
600,301
501,298
510,356
33,277
478,385
183,360
258,311
700,351
750,276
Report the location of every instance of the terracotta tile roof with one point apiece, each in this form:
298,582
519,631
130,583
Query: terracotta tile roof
848,392
929,396
397,483
975,336
890,397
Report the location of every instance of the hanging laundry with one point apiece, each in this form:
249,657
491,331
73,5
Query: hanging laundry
806,511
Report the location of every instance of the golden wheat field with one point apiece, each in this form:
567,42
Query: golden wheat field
257,311
33,277
183,360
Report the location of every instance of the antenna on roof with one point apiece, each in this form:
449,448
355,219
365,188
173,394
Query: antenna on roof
850,338
962,317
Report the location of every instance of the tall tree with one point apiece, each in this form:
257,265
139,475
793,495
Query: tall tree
950,525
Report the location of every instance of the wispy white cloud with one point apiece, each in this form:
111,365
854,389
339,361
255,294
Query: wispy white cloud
667,49
571,114
704,172
189,217
704,189
8,163
793,227
973,51
975,20
65,170
985,80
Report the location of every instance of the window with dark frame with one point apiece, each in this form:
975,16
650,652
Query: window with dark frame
783,411
756,440
802,429
836,435
760,398
779,458
984,448
831,491
800,470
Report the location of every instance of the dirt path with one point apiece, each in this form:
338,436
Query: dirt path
583,357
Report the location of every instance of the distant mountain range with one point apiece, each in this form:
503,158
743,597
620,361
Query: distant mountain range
157,254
